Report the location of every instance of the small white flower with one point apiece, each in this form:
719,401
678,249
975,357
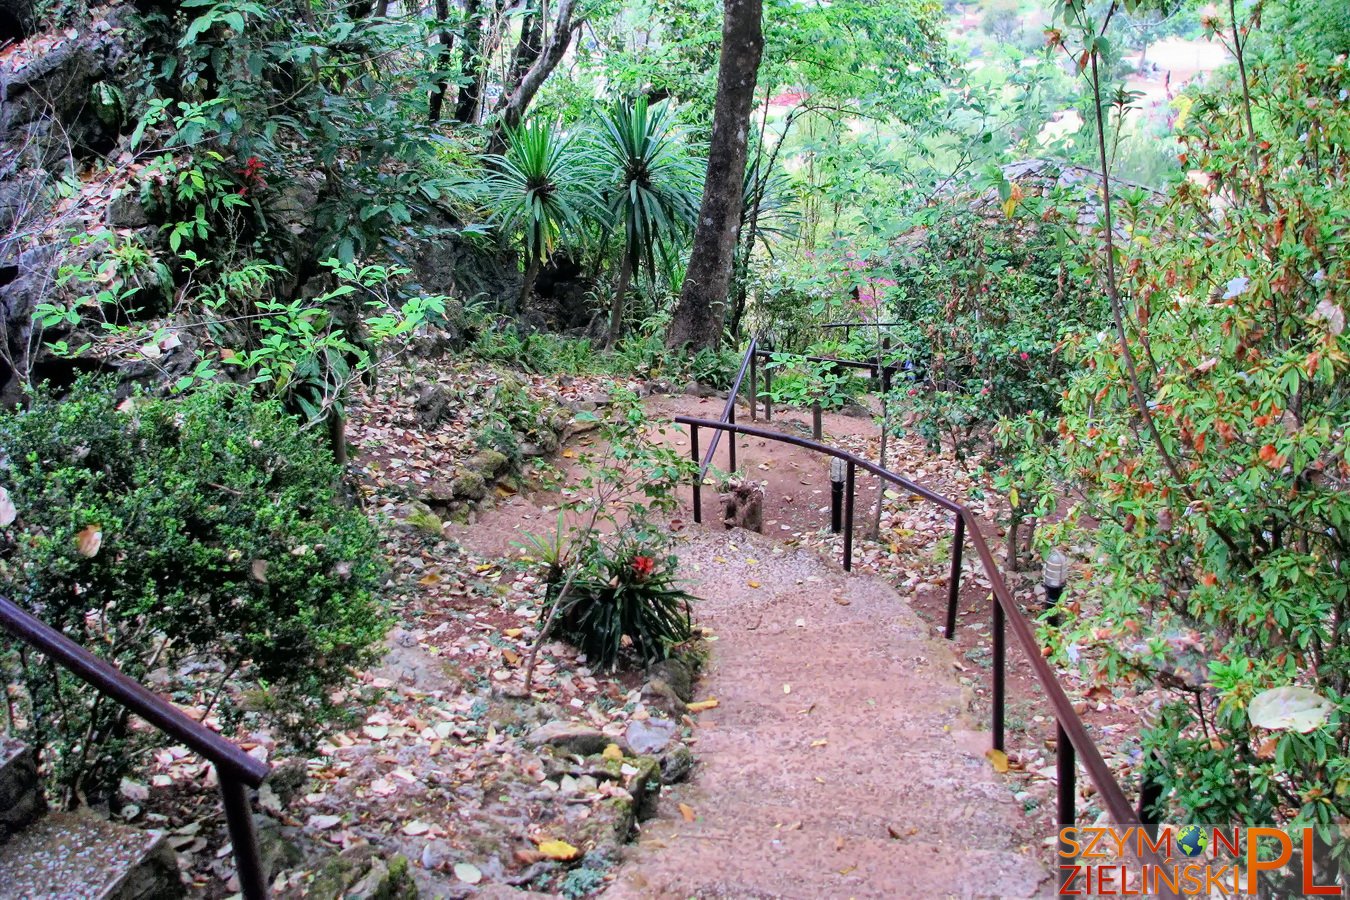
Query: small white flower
1236,287
1319,276
1344,94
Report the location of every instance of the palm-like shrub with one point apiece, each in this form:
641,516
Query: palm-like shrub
653,189
539,190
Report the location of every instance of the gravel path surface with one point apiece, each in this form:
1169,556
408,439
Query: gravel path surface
839,761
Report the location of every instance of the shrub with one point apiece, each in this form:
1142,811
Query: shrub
1214,489
208,530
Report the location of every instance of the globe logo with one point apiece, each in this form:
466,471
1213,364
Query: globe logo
1192,840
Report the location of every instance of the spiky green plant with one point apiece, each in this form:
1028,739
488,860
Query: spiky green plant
653,189
542,189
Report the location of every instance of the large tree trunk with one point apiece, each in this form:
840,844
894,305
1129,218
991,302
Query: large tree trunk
446,39
516,100
698,316
616,305
466,108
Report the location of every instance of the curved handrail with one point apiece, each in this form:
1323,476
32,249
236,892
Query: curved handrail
234,767
1071,728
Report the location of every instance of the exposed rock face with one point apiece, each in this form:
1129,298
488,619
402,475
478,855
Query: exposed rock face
50,100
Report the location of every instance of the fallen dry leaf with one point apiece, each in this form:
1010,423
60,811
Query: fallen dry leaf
701,705
613,752
89,540
687,811
559,850
998,759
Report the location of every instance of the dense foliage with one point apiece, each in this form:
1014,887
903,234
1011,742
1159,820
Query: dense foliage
191,542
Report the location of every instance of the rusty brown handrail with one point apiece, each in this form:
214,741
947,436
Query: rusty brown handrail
1073,741
235,769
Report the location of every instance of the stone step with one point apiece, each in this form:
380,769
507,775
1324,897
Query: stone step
797,864
78,856
21,799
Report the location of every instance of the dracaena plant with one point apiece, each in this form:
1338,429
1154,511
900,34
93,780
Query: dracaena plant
540,193
652,188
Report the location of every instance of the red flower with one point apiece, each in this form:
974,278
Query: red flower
643,566
1025,356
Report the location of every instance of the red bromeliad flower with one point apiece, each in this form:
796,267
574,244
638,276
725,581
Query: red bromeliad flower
643,566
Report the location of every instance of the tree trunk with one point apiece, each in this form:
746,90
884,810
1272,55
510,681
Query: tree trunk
616,305
531,275
466,107
437,98
514,102
698,316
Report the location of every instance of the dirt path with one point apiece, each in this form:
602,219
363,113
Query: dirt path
839,761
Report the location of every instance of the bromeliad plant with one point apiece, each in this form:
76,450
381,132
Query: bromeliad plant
627,600
614,594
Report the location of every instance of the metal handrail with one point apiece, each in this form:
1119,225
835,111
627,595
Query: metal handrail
729,410
1073,742
235,769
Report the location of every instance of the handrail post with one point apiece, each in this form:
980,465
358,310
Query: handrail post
848,518
1150,793
999,653
243,838
954,580
816,430
754,382
1066,786
698,474
731,438
768,389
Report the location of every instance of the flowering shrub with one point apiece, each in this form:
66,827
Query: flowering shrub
1220,505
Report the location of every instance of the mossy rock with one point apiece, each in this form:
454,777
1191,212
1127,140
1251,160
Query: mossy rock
487,462
359,874
469,484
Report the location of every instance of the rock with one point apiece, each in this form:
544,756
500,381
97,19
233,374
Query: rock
650,736
676,673
294,201
677,764
21,799
645,785
855,410
126,210
419,517
488,463
359,874
660,695
568,737
430,404
468,485
278,845
436,854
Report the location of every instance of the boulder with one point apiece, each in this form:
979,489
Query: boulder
675,672
676,764
21,799
360,874
650,736
568,737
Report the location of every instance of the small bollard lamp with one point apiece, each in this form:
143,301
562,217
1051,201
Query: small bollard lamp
838,472
1054,575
